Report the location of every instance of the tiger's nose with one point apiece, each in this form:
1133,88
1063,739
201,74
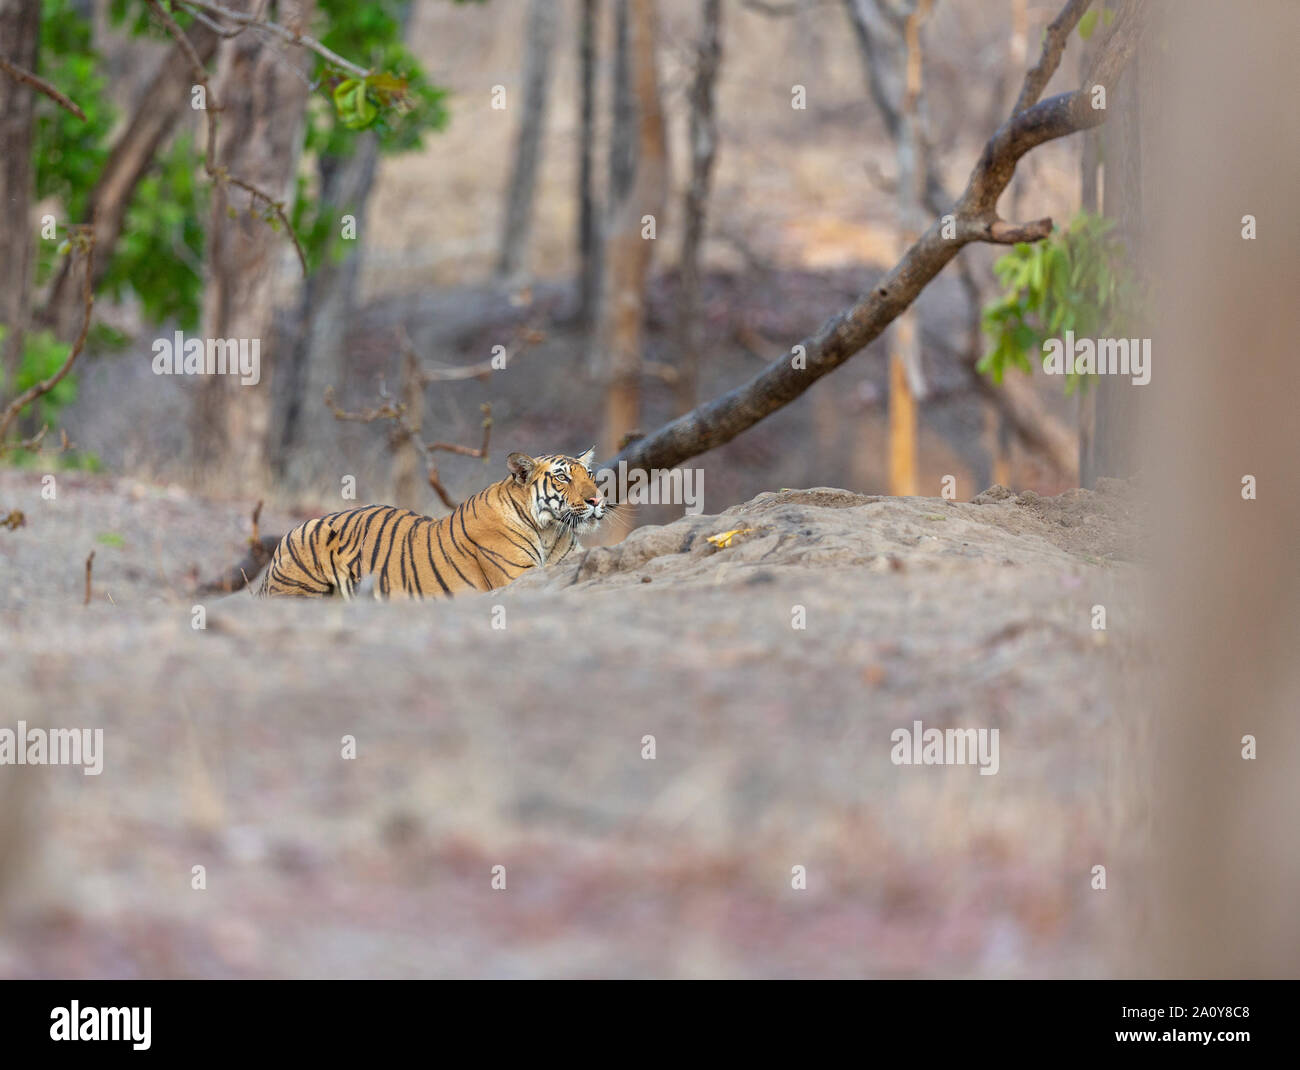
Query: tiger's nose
594,500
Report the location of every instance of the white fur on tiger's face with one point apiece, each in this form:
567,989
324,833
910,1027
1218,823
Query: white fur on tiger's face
531,518
562,490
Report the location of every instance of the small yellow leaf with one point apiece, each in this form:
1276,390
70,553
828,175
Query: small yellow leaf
723,539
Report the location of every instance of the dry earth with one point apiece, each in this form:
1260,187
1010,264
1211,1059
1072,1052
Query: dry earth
522,747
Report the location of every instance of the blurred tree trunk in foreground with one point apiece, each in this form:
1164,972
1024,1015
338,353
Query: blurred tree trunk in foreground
704,144
638,188
1224,388
543,16
20,24
264,95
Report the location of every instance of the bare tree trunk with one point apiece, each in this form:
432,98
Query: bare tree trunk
408,463
974,219
162,103
260,138
1110,449
906,381
588,221
638,184
704,144
703,147
316,354
20,25
543,15
1220,894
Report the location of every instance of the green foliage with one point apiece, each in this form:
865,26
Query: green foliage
43,355
1076,280
1088,23
159,256
54,457
68,153
397,100
160,253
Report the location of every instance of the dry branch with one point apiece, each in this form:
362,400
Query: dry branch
41,85
527,337
1057,36
213,107
260,549
258,22
83,240
408,433
89,562
162,101
719,421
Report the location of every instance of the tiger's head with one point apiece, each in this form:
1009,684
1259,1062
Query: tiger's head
560,490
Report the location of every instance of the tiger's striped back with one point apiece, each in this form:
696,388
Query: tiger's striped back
531,518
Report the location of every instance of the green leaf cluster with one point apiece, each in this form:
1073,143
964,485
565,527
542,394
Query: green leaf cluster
1075,280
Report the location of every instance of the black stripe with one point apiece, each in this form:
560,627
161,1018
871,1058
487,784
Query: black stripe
448,556
282,581
363,530
490,553
393,515
392,542
288,545
437,527
521,514
410,552
353,518
315,560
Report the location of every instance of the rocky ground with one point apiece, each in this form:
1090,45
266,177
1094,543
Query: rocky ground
522,746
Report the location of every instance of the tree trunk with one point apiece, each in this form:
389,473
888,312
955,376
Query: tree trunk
588,222
1110,449
164,100
638,182
409,491
704,142
20,24
1220,898
316,356
906,383
260,138
543,16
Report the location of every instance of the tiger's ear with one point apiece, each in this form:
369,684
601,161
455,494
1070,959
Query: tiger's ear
521,466
585,459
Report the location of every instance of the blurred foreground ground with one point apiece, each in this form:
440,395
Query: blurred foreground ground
522,747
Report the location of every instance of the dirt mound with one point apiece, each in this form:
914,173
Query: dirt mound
514,729
826,527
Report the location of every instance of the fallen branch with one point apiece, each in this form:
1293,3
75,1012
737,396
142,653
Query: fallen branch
42,86
260,550
975,213
83,240
89,562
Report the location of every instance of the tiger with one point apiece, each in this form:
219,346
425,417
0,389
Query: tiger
531,518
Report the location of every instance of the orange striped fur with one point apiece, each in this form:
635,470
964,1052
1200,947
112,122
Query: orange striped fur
531,518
